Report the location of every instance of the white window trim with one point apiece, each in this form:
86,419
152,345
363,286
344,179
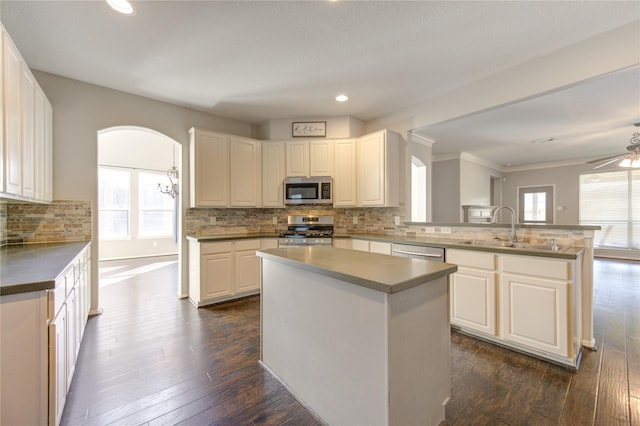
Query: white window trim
553,200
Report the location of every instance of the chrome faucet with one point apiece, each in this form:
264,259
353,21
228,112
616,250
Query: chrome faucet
510,234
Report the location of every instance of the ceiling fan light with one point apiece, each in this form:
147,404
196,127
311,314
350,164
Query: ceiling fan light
121,6
632,163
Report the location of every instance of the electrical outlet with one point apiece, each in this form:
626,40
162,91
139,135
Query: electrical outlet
396,220
274,220
430,230
445,230
212,220
355,220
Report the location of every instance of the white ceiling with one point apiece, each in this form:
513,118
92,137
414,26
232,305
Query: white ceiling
261,60
587,121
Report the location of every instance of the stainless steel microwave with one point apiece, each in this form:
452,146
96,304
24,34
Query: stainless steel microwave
311,190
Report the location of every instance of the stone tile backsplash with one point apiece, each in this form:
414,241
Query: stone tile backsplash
234,221
3,223
563,237
60,221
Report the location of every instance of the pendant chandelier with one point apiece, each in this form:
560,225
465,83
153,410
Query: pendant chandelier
173,176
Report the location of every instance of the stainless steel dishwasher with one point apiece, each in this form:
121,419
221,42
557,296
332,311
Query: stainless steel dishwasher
435,254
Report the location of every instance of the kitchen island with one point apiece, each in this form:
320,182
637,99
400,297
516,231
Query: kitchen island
359,338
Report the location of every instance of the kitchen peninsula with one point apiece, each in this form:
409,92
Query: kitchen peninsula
360,338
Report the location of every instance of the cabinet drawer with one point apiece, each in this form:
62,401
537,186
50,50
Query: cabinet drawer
56,298
380,247
211,248
473,259
527,265
70,277
268,243
248,245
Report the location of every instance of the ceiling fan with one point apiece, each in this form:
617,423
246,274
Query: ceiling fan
630,159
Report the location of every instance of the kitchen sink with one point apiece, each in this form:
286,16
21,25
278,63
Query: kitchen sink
507,244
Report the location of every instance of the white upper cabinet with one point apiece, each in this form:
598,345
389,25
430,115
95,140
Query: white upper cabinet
209,169
245,172
273,174
344,180
378,169
309,158
28,133
321,158
1,111
297,158
26,141
12,118
225,170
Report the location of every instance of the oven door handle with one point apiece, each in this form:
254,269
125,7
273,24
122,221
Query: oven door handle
418,254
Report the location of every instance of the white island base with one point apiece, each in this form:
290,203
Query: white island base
356,355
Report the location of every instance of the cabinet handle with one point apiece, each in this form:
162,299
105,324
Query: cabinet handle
418,254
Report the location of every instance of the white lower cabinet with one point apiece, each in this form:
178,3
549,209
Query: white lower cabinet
361,245
537,304
247,266
473,290
343,243
58,366
40,335
221,271
380,247
530,303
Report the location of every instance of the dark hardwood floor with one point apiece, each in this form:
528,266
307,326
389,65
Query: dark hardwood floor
151,359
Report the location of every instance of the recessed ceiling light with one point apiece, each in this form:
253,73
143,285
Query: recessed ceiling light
544,140
121,6
342,98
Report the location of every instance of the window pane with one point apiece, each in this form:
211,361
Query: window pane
149,195
113,188
612,200
604,197
156,223
156,210
113,202
535,207
114,224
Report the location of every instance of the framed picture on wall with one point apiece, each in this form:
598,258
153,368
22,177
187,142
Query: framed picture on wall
309,129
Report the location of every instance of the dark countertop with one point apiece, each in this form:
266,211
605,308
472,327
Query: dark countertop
226,237
566,252
35,267
505,225
388,274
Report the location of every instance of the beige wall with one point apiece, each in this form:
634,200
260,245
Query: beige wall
566,180
80,110
446,191
341,127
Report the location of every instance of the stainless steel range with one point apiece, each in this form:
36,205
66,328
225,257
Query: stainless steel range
307,230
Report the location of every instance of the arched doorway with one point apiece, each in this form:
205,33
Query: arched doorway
136,219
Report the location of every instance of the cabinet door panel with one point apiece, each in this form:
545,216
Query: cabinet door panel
344,182
12,120
58,365
247,271
209,169
273,174
361,245
245,172
217,275
473,298
371,170
321,158
28,136
535,312
380,247
297,158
